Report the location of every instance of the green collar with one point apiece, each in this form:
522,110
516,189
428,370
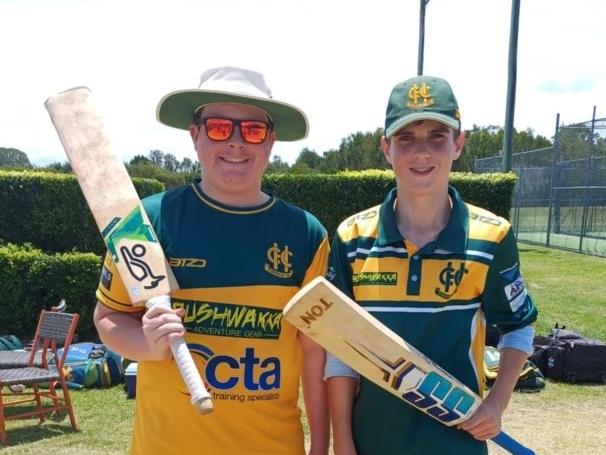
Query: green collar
452,238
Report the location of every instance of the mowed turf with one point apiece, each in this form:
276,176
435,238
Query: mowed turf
568,288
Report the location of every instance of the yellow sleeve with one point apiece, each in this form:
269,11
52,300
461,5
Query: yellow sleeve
319,263
111,291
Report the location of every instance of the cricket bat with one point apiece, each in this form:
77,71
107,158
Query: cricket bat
341,326
120,217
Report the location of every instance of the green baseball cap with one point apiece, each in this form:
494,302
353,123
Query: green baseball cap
421,98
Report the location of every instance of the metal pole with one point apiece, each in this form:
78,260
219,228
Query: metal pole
511,84
588,182
553,171
421,37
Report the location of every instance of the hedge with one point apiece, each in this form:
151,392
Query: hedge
31,280
49,211
332,198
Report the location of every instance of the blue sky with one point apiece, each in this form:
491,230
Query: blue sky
336,60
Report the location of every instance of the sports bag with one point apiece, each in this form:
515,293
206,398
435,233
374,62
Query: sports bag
568,356
10,343
91,365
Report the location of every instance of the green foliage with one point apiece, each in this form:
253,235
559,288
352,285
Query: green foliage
31,280
484,141
277,165
170,179
357,151
10,157
48,210
332,198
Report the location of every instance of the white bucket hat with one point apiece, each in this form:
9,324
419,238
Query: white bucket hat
232,85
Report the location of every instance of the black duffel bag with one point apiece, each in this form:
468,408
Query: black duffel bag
568,356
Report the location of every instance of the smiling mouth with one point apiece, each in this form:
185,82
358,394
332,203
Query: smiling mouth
232,160
422,170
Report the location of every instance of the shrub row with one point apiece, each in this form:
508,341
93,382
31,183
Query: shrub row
49,211
332,198
31,280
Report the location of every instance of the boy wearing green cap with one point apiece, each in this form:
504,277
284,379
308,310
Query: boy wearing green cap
457,269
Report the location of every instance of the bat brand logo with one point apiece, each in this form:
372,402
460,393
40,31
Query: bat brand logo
429,392
316,311
279,261
224,372
138,268
437,396
449,277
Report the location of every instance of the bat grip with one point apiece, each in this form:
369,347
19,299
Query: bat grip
511,445
199,395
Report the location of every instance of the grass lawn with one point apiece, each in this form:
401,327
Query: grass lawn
568,288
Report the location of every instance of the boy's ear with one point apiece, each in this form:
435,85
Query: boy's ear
385,143
459,143
194,130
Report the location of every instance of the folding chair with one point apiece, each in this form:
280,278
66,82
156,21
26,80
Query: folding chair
21,359
53,328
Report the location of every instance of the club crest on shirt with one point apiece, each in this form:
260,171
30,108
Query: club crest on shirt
279,261
450,279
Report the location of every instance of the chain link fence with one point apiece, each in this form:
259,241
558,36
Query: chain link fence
560,197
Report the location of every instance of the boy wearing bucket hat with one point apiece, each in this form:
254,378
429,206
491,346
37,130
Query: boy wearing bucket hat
457,269
238,254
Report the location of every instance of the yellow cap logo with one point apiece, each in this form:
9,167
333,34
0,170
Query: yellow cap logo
419,97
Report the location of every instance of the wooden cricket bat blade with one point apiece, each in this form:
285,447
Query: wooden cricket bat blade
120,217
350,333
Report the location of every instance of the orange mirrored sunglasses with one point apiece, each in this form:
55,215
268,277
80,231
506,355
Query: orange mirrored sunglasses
220,129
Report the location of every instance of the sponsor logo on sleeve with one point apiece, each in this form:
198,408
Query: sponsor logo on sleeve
515,290
331,273
106,278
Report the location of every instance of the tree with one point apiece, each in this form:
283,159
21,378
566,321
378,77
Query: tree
140,159
485,141
157,157
277,166
58,167
300,168
361,151
310,158
10,157
171,163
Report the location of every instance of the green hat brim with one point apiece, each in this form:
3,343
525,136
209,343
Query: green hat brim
408,119
177,109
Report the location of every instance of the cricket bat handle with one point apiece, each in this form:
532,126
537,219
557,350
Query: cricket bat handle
199,395
511,445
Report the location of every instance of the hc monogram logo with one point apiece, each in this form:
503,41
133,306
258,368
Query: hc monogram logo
417,92
449,277
279,261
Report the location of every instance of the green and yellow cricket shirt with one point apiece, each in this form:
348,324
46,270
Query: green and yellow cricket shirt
438,298
237,268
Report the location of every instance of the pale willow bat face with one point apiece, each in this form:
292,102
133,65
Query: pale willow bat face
232,170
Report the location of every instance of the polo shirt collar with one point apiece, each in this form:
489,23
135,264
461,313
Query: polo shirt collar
452,238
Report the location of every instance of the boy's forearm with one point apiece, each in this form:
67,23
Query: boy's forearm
314,395
511,363
341,393
123,333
